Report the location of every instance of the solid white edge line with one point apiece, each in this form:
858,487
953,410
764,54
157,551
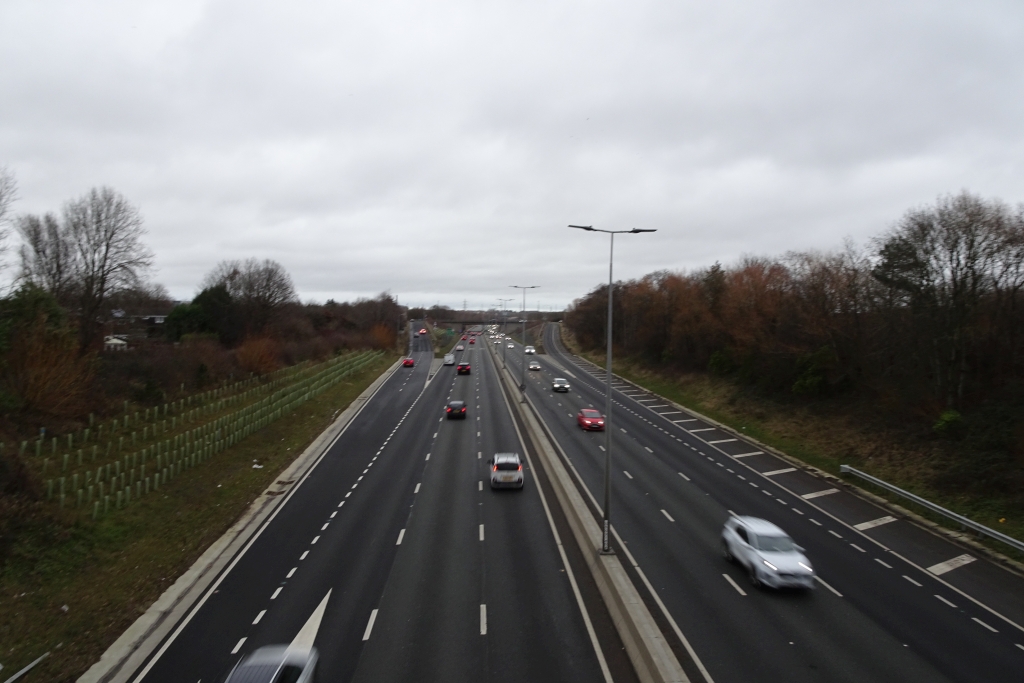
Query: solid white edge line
734,584
369,625
818,579
210,590
561,550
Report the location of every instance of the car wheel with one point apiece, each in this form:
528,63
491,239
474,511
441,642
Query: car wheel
726,553
754,581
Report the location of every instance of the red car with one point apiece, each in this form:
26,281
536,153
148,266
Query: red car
463,337
408,362
462,368
472,340
423,331
591,419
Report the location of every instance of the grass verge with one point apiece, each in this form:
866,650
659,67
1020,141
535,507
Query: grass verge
108,573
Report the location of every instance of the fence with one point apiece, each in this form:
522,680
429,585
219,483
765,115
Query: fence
964,522
115,483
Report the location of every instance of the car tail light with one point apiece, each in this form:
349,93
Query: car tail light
495,468
520,467
448,409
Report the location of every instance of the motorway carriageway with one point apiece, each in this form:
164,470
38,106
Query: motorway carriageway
894,602
422,572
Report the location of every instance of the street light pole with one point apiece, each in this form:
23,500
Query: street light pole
606,525
523,354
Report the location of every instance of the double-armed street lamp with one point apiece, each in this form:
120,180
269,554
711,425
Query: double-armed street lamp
522,386
605,532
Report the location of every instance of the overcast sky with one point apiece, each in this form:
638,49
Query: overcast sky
438,149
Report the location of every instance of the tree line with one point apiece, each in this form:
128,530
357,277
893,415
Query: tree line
84,273
930,314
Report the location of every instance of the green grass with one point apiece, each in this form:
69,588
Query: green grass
109,572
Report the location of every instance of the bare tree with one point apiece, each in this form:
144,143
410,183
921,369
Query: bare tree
105,233
47,258
259,288
8,193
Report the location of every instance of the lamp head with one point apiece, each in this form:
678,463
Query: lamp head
583,227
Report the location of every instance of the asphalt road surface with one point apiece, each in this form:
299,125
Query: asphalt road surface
429,575
895,602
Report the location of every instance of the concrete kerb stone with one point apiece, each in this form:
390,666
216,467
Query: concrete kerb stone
651,656
959,538
121,660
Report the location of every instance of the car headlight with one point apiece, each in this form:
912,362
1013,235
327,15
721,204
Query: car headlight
770,565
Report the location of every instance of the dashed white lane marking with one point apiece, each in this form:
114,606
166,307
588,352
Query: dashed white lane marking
348,494
864,526
417,489
648,449
857,547
734,584
291,573
722,441
814,521
303,555
483,619
818,494
479,454
401,535
766,492
258,617
324,527
705,429
946,601
341,503
667,516
784,470
369,625
797,511
818,579
600,446
627,474
624,431
481,532
435,435
315,539
334,514
238,646
479,486
950,565
834,533
428,457
984,624
1019,645
277,592
478,434
912,581
747,455
883,563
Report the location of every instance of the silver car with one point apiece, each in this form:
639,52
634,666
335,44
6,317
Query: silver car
534,365
529,350
276,664
506,471
770,557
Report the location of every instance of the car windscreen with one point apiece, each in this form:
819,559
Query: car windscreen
507,465
559,380
591,413
775,544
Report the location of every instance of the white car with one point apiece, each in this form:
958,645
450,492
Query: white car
534,365
506,471
274,663
511,345
770,557
449,359
529,350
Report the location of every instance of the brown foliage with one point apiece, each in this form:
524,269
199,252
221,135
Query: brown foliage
383,336
45,371
259,355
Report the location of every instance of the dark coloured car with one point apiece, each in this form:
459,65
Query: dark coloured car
560,384
462,368
590,419
456,410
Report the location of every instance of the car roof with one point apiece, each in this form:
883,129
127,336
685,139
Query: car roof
505,456
464,363
456,403
761,527
560,379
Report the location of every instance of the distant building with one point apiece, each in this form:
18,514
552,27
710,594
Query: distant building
114,343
